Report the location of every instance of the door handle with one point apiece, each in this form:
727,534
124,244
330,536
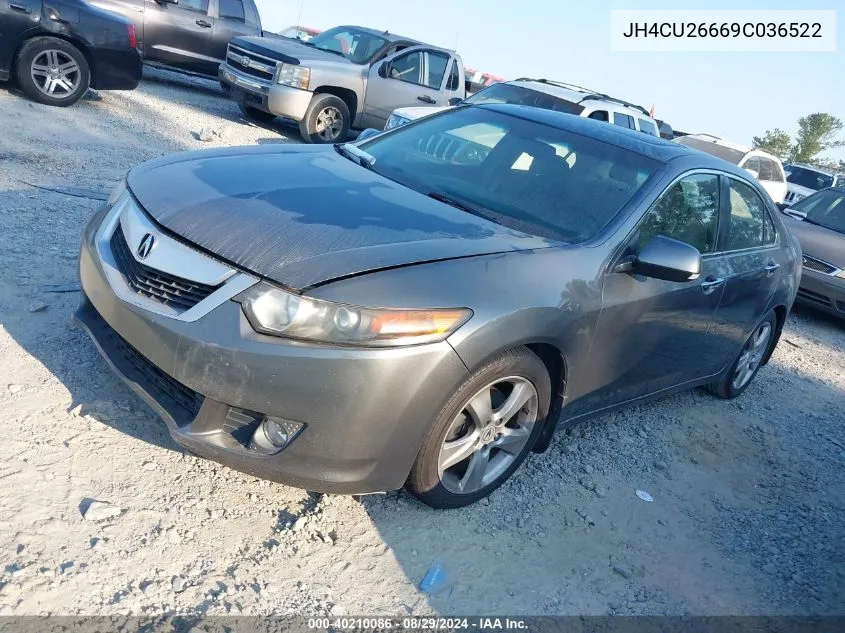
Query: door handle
204,24
426,99
771,268
14,6
708,286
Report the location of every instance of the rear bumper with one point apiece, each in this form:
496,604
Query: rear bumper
283,101
822,292
115,69
366,412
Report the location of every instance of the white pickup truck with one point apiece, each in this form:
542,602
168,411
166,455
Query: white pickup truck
346,77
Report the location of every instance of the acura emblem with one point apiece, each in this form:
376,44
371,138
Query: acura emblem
146,245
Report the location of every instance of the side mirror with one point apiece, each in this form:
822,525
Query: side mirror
382,70
668,259
168,1
454,101
754,173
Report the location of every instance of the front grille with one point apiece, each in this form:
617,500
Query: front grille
818,265
815,297
840,305
251,63
175,292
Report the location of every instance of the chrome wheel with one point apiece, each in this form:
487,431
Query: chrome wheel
488,434
329,123
55,73
752,355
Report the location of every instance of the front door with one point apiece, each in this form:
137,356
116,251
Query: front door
654,334
232,19
412,77
752,257
180,35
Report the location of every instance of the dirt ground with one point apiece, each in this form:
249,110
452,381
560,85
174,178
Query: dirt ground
748,510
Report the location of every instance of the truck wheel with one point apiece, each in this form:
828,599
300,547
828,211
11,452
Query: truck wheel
52,71
327,120
254,114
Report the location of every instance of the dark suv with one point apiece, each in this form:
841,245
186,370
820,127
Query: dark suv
56,49
190,35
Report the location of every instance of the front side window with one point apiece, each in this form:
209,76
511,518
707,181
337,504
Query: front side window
688,212
423,68
353,44
648,127
752,164
769,170
232,10
749,224
528,176
454,77
194,5
623,120
507,93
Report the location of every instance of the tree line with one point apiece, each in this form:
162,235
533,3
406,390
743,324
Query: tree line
817,133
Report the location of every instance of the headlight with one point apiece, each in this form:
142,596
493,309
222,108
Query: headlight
841,274
271,310
394,120
116,193
293,75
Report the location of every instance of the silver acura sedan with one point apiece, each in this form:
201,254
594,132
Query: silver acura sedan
426,307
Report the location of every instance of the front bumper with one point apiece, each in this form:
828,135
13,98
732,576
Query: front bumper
823,292
284,101
367,411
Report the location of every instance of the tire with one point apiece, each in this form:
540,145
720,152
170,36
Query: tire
323,108
731,386
254,114
46,64
515,373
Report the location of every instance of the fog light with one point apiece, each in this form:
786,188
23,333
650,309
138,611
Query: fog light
274,434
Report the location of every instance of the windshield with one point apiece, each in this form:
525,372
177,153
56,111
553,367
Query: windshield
807,178
733,156
826,208
353,44
528,176
507,93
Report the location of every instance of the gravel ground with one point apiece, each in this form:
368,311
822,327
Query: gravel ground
101,513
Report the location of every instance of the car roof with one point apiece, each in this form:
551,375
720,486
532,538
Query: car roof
580,95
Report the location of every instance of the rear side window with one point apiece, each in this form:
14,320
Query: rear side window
454,77
688,212
436,69
749,224
752,164
232,10
194,5
599,115
769,170
648,127
623,120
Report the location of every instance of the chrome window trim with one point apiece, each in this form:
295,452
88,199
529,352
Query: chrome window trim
763,247
232,282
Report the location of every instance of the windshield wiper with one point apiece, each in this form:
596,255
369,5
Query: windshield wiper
356,154
463,206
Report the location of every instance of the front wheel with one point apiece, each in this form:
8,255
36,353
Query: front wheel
484,432
749,361
327,120
52,71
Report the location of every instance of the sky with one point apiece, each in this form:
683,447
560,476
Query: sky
732,95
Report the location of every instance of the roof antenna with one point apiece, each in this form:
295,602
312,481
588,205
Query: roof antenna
299,17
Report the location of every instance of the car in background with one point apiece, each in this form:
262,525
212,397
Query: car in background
804,180
358,318
57,50
818,221
346,77
187,35
549,95
762,165
301,33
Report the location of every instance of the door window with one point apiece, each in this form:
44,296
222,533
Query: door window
769,170
623,120
688,212
752,164
200,6
749,224
648,127
232,10
454,77
423,68
599,115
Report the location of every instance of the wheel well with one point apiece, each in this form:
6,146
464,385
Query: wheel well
780,317
556,366
347,96
58,36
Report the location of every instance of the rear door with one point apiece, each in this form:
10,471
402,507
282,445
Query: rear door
412,77
180,35
16,18
233,18
749,245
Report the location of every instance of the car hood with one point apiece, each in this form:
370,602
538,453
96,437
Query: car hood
288,50
819,242
304,215
804,191
414,113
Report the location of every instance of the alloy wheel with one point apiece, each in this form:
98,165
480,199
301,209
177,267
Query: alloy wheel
488,435
55,73
752,355
329,123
